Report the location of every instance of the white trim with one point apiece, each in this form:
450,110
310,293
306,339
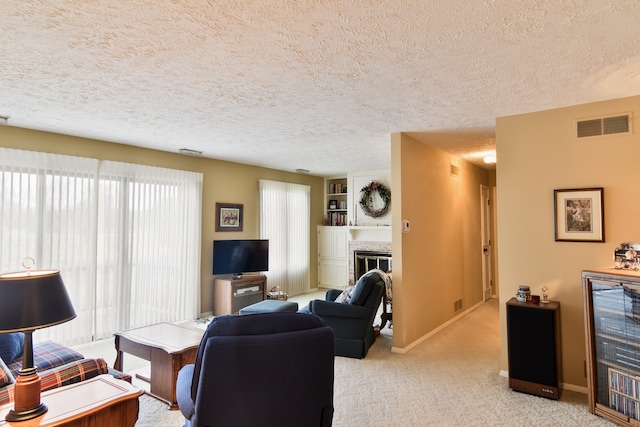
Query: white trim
403,350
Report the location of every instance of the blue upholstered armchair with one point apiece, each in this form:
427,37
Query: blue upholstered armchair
268,369
352,321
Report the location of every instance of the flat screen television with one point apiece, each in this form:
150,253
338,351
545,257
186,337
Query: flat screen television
236,257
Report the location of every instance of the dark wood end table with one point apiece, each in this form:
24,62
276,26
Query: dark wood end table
168,347
101,401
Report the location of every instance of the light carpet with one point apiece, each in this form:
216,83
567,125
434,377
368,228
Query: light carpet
451,379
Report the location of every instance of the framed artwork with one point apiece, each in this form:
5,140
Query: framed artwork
229,217
579,215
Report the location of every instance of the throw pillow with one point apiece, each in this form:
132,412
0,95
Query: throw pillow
345,296
11,346
5,375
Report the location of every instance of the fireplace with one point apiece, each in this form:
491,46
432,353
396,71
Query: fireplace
364,256
364,261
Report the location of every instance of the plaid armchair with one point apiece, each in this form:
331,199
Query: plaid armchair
71,373
57,366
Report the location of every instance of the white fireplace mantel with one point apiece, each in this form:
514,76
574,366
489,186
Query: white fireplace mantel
370,232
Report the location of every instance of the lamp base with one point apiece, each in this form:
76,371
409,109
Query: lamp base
27,414
27,405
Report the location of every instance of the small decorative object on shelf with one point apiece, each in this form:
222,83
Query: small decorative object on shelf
524,294
545,295
366,199
627,255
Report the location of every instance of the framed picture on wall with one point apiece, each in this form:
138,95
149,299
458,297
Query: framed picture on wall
579,215
229,217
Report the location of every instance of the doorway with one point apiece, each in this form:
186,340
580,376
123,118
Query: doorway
485,231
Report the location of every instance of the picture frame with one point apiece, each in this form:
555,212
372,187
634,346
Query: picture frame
579,215
229,216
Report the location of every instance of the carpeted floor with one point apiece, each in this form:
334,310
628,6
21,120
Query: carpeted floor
451,379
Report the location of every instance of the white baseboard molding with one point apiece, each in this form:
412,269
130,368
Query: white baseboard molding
564,386
576,388
403,350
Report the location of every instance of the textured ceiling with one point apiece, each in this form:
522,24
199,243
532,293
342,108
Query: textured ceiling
311,84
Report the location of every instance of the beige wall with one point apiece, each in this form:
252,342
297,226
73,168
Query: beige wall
222,182
439,260
538,153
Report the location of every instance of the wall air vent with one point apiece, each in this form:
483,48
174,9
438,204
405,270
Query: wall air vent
604,126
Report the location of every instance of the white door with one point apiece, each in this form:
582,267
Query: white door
340,243
326,273
341,274
485,218
325,242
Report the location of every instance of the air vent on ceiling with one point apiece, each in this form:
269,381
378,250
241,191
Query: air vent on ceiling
604,126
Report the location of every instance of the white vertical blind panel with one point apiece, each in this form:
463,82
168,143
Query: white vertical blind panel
284,220
273,227
126,238
298,238
157,214
48,213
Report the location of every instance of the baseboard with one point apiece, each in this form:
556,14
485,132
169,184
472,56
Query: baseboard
403,350
576,388
565,386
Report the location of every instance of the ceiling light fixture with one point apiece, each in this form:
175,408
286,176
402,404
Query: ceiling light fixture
4,120
188,152
491,159
302,170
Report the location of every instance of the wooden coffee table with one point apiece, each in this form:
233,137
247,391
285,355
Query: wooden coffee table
168,347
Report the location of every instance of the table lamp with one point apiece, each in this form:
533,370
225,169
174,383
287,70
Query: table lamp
32,299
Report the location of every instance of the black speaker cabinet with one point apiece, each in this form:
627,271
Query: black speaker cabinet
535,362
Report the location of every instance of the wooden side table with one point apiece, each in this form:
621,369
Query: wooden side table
168,347
102,401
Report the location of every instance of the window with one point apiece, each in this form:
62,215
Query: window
284,220
125,237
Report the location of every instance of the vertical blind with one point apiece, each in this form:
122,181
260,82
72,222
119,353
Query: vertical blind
284,220
148,247
48,213
126,238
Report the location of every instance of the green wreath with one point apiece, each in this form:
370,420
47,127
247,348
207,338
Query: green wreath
366,199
